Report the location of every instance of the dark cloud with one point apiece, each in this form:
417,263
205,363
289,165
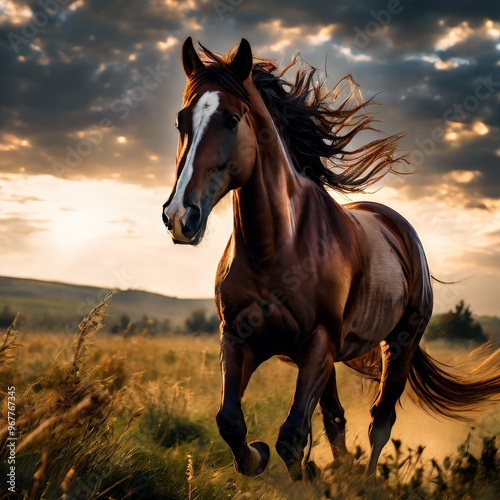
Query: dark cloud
88,63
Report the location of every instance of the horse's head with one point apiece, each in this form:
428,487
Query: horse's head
217,148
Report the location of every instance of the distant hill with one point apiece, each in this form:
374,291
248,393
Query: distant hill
47,302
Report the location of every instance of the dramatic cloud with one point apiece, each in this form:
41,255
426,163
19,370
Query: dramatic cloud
90,87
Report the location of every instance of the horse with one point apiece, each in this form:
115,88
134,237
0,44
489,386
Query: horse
302,276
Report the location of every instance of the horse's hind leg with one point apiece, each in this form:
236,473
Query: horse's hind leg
398,351
333,417
315,366
237,365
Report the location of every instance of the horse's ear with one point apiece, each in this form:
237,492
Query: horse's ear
190,59
243,60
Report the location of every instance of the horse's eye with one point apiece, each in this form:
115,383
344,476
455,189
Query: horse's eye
233,121
176,121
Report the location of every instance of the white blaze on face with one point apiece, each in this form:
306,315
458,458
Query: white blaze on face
203,111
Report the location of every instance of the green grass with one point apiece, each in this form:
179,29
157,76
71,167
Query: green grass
134,418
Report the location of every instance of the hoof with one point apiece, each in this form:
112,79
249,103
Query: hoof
262,450
255,461
312,471
292,459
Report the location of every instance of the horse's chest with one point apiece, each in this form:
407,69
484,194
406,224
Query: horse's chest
267,325
270,310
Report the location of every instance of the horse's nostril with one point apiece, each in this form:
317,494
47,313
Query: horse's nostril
192,221
167,221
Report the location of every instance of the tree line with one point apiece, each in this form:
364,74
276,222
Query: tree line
197,322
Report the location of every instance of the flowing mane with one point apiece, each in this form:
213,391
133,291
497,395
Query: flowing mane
315,128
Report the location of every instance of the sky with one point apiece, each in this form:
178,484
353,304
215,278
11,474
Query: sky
89,90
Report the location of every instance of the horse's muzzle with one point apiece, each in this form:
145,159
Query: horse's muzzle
183,223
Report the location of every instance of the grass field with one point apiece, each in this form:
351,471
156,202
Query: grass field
107,417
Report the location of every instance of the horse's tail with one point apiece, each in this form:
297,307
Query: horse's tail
437,389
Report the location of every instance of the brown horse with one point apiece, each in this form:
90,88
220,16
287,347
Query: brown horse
303,277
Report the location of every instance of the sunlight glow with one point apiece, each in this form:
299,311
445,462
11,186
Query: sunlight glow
285,35
480,128
455,35
170,42
180,5
10,142
492,29
13,13
444,65
76,5
324,35
279,46
439,64
73,229
460,131
451,136
192,24
85,231
463,176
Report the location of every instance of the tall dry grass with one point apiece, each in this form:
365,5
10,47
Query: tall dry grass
112,417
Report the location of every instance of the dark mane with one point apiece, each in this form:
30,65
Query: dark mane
315,128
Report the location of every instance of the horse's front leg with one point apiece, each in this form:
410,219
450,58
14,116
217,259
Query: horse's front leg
238,363
333,417
315,367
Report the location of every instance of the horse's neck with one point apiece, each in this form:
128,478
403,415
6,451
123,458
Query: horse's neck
267,206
